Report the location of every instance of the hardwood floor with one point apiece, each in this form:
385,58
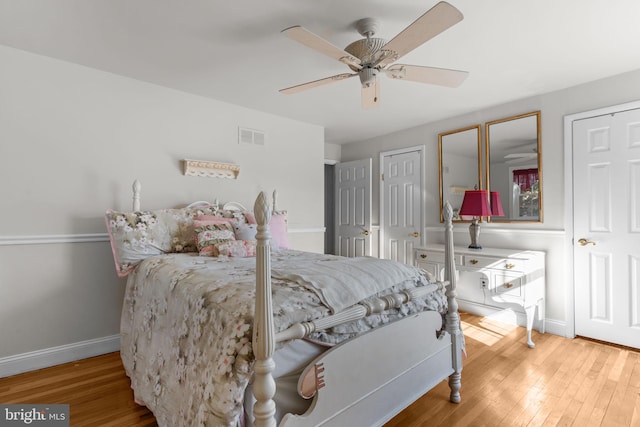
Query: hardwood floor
561,382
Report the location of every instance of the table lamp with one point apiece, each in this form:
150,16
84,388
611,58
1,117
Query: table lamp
496,204
476,204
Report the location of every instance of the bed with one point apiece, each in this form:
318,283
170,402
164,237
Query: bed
268,335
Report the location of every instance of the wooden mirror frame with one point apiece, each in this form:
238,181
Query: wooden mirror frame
457,188
521,147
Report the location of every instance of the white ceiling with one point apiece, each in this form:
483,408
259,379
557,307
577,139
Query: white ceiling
233,51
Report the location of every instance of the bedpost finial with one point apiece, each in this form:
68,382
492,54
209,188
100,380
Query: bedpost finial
136,195
261,209
275,196
448,211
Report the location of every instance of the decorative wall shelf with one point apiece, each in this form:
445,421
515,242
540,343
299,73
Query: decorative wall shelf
210,169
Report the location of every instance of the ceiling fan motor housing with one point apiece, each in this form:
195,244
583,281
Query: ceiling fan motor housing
365,50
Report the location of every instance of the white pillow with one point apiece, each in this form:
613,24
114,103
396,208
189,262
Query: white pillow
244,231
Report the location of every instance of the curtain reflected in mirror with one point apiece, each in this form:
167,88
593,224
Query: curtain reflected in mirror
513,168
459,155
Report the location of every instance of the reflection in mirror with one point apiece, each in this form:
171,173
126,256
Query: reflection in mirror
459,154
514,166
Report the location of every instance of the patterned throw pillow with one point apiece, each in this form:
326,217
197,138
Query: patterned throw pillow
135,236
237,248
209,235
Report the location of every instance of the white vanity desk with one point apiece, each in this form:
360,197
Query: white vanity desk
491,279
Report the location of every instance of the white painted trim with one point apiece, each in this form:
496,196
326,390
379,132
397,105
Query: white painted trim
101,237
557,327
53,238
493,230
568,201
48,357
311,229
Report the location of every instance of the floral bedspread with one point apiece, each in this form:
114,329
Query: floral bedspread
186,331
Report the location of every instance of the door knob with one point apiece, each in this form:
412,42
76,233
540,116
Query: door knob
415,234
585,242
365,232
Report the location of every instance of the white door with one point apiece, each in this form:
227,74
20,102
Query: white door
401,218
353,208
606,194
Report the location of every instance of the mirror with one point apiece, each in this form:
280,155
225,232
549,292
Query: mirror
513,168
459,153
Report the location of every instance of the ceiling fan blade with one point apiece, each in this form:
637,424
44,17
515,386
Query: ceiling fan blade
371,95
521,155
431,75
433,22
315,83
518,160
317,43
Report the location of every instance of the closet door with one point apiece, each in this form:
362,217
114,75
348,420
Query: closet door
606,194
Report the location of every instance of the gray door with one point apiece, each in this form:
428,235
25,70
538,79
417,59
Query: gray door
353,208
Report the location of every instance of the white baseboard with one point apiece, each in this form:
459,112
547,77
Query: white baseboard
557,327
47,357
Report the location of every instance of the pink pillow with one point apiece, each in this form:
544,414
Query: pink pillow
277,227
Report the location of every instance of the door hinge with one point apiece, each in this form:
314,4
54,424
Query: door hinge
383,177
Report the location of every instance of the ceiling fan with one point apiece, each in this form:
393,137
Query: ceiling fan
521,157
372,56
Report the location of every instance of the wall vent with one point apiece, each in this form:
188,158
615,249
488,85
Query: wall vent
250,136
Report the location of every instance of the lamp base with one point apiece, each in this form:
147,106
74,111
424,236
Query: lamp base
474,232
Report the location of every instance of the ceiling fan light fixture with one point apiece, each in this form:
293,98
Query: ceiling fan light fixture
368,76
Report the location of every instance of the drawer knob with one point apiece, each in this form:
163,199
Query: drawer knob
473,261
508,285
423,255
509,265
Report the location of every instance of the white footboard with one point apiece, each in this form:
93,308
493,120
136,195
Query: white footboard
368,380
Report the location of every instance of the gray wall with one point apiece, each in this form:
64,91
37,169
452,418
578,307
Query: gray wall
73,139
549,236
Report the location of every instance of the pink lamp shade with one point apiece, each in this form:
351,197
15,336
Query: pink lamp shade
496,204
475,203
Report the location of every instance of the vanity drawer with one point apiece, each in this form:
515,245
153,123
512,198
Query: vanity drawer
508,285
474,261
423,255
